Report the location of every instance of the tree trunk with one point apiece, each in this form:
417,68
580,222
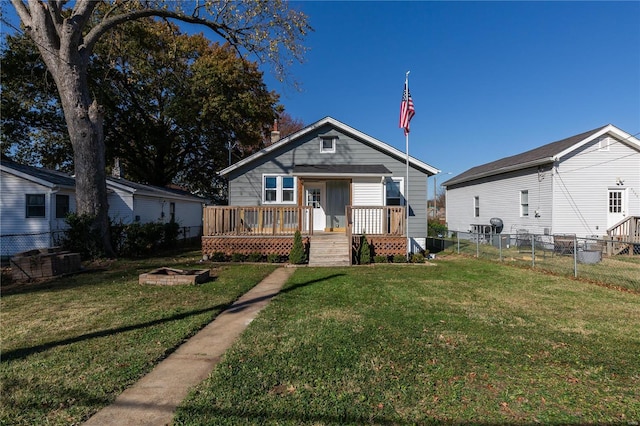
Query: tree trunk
67,64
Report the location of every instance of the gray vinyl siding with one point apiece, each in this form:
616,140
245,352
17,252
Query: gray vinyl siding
499,197
581,183
245,183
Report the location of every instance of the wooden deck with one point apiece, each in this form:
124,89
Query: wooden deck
270,230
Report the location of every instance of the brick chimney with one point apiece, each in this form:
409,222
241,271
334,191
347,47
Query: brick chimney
275,133
117,171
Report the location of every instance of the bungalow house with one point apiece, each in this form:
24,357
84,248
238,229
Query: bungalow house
34,202
331,182
586,185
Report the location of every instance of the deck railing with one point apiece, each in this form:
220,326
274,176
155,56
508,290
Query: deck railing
624,235
257,220
376,220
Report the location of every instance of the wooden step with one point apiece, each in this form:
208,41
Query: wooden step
329,250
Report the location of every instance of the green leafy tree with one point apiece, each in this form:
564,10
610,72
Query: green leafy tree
66,35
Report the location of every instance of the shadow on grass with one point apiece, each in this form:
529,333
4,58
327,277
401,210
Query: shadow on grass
240,306
24,352
231,308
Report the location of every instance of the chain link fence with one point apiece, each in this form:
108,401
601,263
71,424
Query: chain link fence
613,262
10,244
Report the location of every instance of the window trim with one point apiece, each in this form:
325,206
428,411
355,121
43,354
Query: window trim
334,142
476,206
279,189
28,206
524,212
400,180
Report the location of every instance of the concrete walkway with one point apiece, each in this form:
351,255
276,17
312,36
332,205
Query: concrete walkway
154,399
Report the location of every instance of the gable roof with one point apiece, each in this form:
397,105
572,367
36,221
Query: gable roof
150,190
53,178
387,149
542,155
44,177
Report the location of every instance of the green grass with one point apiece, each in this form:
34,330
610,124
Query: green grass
71,345
616,271
465,341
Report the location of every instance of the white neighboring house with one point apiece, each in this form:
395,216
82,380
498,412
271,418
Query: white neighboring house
34,202
583,185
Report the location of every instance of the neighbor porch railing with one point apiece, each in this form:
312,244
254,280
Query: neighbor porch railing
376,220
257,220
624,235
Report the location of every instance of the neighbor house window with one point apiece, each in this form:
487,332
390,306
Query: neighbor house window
172,212
328,144
476,206
62,206
35,205
279,189
393,192
524,203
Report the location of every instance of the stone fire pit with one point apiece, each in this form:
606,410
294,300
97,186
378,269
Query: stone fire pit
171,276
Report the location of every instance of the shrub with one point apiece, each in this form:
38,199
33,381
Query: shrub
81,237
365,251
417,258
297,256
435,229
400,258
218,256
380,259
273,258
254,257
237,257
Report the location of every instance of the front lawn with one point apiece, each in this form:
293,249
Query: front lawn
71,345
465,341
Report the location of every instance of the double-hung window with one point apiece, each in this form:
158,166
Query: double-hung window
279,189
393,192
524,203
476,206
35,205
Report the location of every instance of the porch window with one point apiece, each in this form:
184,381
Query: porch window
476,206
328,144
279,189
393,192
62,206
35,205
524,203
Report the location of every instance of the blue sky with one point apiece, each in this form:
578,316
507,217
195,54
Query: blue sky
488,79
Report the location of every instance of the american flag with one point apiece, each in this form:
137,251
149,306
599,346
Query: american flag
407,111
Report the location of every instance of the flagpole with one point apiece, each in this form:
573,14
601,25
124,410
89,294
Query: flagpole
406,195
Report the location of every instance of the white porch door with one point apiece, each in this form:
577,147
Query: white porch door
617,206
316,198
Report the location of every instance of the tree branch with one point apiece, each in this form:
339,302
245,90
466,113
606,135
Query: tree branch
94,35
23,12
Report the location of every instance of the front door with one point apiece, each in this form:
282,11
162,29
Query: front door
315,197
617,206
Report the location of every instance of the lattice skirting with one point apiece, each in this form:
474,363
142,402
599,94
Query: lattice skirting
382,246
247,245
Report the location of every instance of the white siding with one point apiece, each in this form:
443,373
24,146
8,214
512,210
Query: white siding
499,197
367,192
20,233
120,206
581,182
150,209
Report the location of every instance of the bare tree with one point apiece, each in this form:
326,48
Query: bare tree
66,35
